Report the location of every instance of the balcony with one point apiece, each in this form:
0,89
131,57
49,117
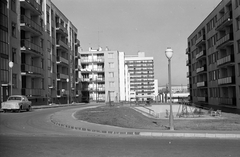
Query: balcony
62,45
77,42
224,21
188,62
62,92
32,5
201,40
32,92
29,47
226,80
224,41
61,60
227,101
200,54
202,84
225,60
86,79
202,69
61,29
29,25
31,70
62,76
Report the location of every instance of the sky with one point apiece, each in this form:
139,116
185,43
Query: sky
148,26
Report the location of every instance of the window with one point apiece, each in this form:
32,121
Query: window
110,55
14,80
111,74
14,52
111,65
13,29
111,84
13,5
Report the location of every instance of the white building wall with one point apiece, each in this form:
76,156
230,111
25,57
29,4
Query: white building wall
122,77
155,89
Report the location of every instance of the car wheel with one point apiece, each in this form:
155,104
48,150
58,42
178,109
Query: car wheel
4,111
29,109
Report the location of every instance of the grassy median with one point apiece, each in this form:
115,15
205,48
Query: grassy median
129,118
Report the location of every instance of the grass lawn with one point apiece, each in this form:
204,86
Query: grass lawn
129,118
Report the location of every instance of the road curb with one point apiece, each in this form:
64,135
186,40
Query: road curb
148,133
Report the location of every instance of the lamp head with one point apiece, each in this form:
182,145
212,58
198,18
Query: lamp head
169,53
67,80
10,64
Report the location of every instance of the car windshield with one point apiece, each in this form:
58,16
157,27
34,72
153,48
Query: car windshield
14,98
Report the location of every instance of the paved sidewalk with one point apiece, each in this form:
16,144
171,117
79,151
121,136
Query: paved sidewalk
66,119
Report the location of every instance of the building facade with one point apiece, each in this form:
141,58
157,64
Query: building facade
100,72
43,47
214,58
141,71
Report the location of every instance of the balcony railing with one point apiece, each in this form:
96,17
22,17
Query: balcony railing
187,50
200,54
27,22
29,69
33,5
224,19
225,40
32,92
188,74
60,28
27,45
62,44
62,76
201,84
203,68
225,59
226,80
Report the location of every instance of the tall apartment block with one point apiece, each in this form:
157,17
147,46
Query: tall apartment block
100,74
214,58
42,43
141,71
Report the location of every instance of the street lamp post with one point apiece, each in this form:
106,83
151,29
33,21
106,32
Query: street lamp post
68,91
169,54
11,66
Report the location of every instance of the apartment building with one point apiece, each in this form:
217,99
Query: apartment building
214,58
43,47
141,71
100,74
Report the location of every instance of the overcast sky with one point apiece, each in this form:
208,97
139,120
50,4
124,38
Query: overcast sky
140,25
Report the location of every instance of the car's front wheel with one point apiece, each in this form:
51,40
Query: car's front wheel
29,108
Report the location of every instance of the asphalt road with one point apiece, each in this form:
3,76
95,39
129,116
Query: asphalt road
29,134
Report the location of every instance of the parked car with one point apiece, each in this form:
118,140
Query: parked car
17,103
